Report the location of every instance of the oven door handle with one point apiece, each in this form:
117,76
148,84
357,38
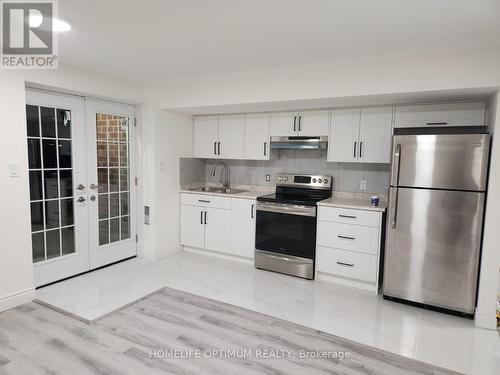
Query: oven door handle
289,210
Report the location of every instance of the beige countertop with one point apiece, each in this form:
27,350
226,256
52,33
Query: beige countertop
249,192
357,201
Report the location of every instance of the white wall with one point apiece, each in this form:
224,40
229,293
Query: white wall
16,275
173,140
490,262
170,138
343,83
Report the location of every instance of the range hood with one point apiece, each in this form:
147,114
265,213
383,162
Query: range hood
299,143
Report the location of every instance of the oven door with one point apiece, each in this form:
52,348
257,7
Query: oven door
286,229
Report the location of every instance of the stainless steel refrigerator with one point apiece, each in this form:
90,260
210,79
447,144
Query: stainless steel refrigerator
435,219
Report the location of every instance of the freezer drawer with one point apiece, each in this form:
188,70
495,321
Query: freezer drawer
451,161
433,247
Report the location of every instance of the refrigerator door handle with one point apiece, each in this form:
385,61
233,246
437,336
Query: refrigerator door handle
394,207
396,159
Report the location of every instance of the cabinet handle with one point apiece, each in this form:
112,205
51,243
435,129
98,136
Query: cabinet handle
348,216
437,123
215,148
355,144
251,211
346,237
294,123
345,264
265,148
360,149
203,201
219,147
205,217
201,217
300,119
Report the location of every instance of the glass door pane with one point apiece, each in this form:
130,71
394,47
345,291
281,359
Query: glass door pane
113,175
51,182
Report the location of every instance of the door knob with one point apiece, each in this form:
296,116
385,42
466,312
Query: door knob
93,186
81,200
80,187
92,198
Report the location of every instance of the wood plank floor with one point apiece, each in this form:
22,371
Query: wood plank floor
37,340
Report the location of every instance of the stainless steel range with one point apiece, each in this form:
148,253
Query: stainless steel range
285,239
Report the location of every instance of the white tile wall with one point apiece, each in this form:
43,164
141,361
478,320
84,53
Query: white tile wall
347,176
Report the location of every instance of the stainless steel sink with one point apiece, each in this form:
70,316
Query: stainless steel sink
221,190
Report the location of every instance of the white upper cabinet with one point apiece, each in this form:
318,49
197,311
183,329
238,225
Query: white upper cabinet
306,123
361,135
257,136
375,131
219,137
231,137
344,135
440,114
283,124
206,136
313,123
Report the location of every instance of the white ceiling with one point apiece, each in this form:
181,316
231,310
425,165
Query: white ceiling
162,42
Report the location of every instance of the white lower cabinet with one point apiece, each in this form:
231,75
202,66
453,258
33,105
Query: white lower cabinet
243,228
348,246
349,264
192,226
221,224
217,225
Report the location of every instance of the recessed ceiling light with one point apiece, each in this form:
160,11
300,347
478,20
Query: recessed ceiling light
61,26
58,24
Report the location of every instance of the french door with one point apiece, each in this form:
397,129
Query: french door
112,189
81,195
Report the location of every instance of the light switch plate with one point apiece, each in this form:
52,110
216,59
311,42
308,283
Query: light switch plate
13,170
362,185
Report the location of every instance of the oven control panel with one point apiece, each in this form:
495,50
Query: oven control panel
306,181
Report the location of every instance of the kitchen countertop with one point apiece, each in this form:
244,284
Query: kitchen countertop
250,192
357,201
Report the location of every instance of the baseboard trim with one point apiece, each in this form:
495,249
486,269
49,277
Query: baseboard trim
16,299
347,282
162,253
488,321
219,255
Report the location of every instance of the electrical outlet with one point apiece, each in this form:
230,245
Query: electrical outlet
268,177
362,185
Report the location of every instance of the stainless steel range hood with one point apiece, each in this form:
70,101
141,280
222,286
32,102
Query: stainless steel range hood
299,143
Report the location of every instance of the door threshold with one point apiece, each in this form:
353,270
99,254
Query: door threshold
83,273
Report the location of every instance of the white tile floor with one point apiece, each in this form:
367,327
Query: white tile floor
442,340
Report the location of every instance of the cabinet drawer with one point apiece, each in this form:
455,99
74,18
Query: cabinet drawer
204,200
349,216
440,114
348,237
347,264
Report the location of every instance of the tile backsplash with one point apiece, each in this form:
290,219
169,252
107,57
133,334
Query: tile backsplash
347,176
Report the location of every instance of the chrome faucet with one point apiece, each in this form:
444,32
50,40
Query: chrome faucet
227,178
